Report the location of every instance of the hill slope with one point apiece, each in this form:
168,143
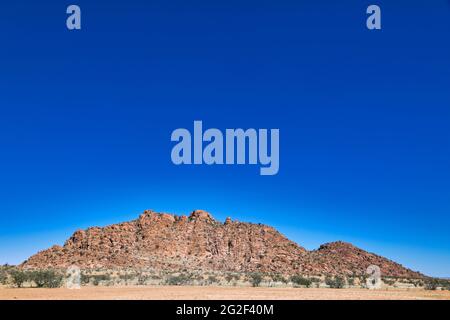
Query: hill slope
199,242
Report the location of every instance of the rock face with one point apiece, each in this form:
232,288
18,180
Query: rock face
199,242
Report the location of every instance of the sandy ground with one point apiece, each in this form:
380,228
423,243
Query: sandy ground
219,293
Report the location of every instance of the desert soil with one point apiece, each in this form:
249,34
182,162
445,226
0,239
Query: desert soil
219,293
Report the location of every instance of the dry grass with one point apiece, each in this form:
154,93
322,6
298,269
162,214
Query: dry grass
219,293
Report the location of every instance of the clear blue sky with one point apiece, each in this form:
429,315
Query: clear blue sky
364,119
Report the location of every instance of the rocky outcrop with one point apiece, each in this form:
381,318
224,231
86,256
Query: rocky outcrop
345,259
199,242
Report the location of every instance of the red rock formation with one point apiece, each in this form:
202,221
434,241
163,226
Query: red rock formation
166,242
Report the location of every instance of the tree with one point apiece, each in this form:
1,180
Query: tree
19,277
301,281
255,279
431,284
279,278
229,278
179,280
46,279
336,283
3,277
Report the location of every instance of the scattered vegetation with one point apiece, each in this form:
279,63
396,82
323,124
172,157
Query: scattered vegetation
213,279
4,274
97,278
298,280
19,277
256,279
279,278
179,280
351,281
335,283
127,277
3,277
229,277
46,278
85,279
431,284
435,283
388,281
142,279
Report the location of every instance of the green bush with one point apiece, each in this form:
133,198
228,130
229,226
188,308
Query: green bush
335,283
351,281
95,278
213,279
142,279
3,276
434,283
229,278
444,284
279,278
431,284
179,280
127,276
255,279
46,278
388,281
85,279
100,277
301,281
19,277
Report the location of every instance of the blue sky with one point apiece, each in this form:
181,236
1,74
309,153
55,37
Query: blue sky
86,119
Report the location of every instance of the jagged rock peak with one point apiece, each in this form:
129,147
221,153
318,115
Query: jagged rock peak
337,245
195,215
201,214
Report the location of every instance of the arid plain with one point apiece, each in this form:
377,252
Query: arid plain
217,293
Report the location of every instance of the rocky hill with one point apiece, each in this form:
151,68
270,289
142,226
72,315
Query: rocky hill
199,242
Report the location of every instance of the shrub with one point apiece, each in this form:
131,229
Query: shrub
301,281
179,280
351,281
46,278
127,277
279,278
212,279
142,279
100,277
388,281
3,276
19,277
336,283
446,285
95,278
85,279
229,278
431,284
255,279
